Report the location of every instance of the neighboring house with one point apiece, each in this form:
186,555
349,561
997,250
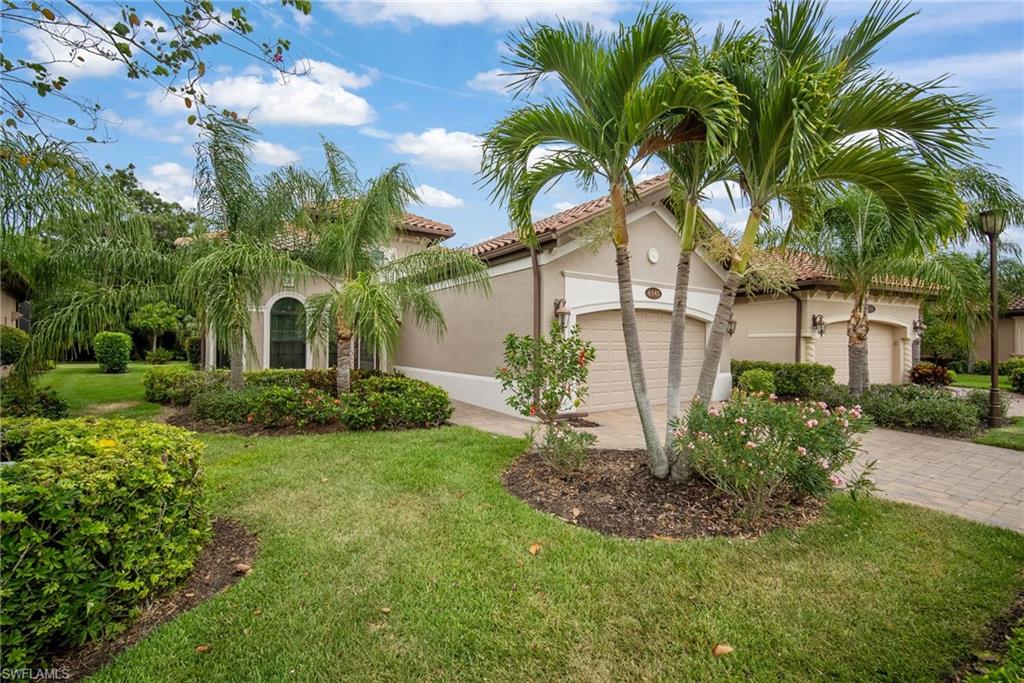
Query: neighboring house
14,309
579,280
1011,334
278,336
782,328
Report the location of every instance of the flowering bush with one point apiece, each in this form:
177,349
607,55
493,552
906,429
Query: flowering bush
755,448
930,374
544,376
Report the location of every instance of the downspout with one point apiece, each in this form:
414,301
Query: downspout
535,265
799,324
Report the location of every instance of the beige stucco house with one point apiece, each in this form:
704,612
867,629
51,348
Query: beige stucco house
581,280
787,328
1011,334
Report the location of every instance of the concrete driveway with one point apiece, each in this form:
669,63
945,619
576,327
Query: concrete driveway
983,483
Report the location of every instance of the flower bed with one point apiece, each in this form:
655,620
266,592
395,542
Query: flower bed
98,517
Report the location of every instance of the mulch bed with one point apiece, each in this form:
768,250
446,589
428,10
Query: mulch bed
215,569
992,649
615,494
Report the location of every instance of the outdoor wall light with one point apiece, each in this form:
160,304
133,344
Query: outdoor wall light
818,324
919,327
731,325
561,312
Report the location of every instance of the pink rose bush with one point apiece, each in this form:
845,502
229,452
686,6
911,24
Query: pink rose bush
756,449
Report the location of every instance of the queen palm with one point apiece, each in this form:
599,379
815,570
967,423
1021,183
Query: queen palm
816,117
623,99
351,224
241,251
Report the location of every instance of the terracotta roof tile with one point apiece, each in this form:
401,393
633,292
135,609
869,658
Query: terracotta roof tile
1016,305
564,219
809,268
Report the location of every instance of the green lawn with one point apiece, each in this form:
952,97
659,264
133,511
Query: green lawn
399,556
89,391
972,381
1010,436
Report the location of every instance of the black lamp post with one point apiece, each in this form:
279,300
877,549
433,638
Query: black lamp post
992,223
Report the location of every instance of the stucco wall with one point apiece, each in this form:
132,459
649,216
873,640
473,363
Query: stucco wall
1011,339
8,309
765,329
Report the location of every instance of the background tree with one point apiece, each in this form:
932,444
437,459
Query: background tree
622,102
155,319
351,225
249,245
166,45
816,116
167,220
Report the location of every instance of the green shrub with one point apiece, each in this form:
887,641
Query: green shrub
1010,364
159,356
113,351
755,448
394,402
12,344
792,380
18,400
1017,380
910,406
982,367
98,517
930,375
270,406
757,381
193,347
178,384
1011,668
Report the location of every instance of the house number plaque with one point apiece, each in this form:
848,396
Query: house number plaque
652,293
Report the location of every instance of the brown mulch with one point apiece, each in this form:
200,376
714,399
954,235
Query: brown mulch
215,569
992,649
615,494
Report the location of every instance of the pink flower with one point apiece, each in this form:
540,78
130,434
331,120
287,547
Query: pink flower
741,420
840,409
855,413
801,450
822,405
846,423
836,480
713,410
278,58
823,464
750,444
811,424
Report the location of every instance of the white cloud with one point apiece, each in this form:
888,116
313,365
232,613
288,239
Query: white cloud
171,181
371,132
494,80
720,192
439,148
68,61
439,199
320,97
273,154
1004,68
141,128
956,16
450,12
562,206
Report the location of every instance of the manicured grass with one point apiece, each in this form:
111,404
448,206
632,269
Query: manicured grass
399,556
89,391
1010,436
980,381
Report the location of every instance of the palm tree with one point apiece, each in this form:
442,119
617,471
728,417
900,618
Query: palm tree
229,265
623,100
860,249
351,225
816,117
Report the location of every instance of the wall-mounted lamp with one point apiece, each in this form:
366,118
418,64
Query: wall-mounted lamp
731,325
919,327
561,312
818,324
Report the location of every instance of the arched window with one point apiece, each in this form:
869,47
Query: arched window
287,336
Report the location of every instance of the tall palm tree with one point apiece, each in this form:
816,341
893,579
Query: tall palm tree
816,117
351,225
248,222
623,99
860,249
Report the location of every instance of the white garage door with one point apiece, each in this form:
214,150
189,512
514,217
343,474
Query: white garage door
831,349
609,373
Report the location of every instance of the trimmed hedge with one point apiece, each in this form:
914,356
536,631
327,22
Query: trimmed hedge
113,351
159,356
273,407
12,344
1006,367
98,516
911,406
395,402
178,385
792,380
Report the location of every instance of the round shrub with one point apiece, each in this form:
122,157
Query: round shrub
272,407
12,344
1017,380
113,351
159,356
395,402
931,375
18,400
99,516
792,380
1010,364
757,381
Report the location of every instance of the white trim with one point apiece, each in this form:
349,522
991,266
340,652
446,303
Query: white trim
665,286
769,335
478,390
268,307
908,327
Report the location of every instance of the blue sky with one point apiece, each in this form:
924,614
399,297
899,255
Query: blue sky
418,82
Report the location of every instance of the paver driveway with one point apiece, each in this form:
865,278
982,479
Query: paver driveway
982,483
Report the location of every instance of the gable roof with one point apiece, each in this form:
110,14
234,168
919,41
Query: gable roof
560,222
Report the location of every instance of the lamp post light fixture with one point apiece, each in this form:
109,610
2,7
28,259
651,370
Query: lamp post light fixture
731,325
562,312
818,324
919,327
992,223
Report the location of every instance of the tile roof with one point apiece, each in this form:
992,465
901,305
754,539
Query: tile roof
1016,305
811,269
562,220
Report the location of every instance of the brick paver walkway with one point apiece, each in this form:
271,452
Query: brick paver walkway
983,483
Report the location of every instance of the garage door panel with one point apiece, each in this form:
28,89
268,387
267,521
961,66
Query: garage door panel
609,375
832,349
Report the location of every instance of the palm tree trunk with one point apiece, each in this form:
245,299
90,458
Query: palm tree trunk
343,371
236,379
857,335
656,459
154,341
676,344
